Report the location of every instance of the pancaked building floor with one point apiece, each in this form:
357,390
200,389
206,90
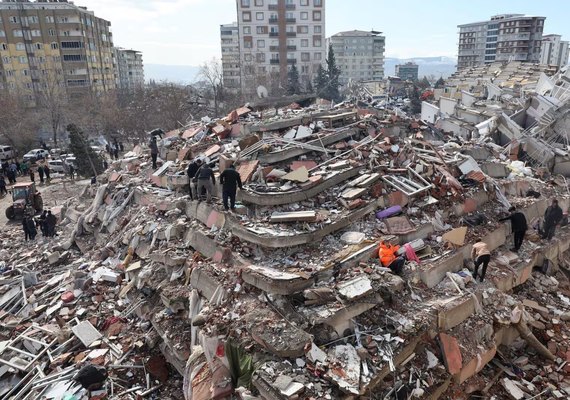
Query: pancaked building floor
285,298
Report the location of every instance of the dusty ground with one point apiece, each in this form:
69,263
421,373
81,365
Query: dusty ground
54,194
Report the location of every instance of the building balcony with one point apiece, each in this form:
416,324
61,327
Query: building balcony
273,34
290,6
291,20
273,7
291,61
273,20
273,48
291,34
274,61
291,48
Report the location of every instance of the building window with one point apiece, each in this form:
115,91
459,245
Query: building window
246,15
247,44
318,56
259,16
304,42
304,69
304,15
261,29
14,20
260,57
302,29
3,46
36,33
247,30
317,42
245,3
304,2
305,57
54,46
318,29
318,3
2,33
20,46
25,72
18,33
261,44
316,15
72,57
259,3
49,19
38,46
247,57
33,20
23,60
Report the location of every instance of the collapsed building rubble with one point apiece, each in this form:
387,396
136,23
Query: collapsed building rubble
285,298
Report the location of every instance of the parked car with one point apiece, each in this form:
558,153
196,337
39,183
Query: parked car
35,155
6,153
56,166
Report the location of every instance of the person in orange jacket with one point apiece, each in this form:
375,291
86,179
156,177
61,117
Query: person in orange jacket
389,258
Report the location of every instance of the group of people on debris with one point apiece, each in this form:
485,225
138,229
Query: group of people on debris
43,173
114,148
202,180
390,256
46,222
12,169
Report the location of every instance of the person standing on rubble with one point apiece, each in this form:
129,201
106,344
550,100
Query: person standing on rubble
41,174
481,256
3,190
206,180
230,180
32,175
41,222
518,226
32,232
193,168
71,171
552,217
153,151
25,228
389,258
47,171
51,221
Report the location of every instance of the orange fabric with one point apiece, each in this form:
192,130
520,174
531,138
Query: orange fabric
387,253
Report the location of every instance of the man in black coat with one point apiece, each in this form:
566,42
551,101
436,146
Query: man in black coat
518,226
191,171
51,222
552,217
230,181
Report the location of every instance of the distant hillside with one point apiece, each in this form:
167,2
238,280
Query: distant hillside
438,66
184,74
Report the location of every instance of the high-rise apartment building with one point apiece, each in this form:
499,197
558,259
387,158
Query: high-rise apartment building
274,35
359,55
129,68
231,57
408,71
554,50
505,37
52,42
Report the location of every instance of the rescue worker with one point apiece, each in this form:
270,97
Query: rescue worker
230,181
47,172
41,174
518,227
389,258
153,151
481,256
191,171
206,180
552,217
51,221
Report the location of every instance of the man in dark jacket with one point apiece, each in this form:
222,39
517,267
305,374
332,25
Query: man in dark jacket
41,173
230,181
518,226
206,180
153,151
3,190
51,221
552,217
191,171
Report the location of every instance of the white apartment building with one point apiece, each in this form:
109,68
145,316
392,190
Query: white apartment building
276,34
554,50
129,68
229,34
359,55
505,37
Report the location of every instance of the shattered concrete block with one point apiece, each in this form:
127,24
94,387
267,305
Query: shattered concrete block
53,258
347,373
451,353
355,288
274,281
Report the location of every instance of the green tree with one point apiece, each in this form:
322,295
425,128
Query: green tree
321,81
87,162
293,85
440,83
333,74
309,86
416,102
424,83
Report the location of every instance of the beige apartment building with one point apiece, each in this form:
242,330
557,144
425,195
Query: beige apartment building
274,35
47,43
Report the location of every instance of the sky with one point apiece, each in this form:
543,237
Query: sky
186,32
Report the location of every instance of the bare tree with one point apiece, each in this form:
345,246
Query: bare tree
52,103
211,72
18,122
